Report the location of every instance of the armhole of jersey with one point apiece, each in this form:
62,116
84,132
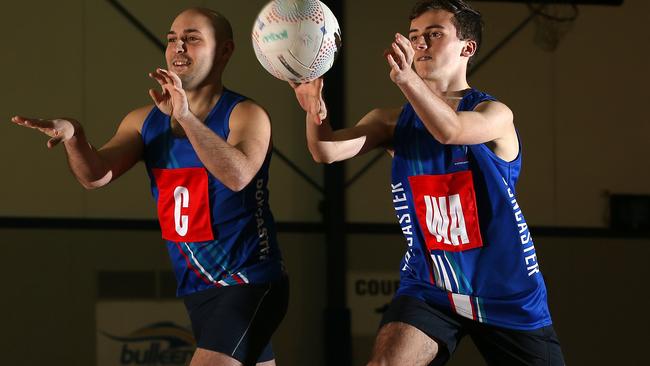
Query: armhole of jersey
498,159
403,115
236,100
145,124
491,154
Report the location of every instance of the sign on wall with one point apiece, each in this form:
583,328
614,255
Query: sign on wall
369,294
143,333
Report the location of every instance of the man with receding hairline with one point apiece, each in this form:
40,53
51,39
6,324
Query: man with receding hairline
207,151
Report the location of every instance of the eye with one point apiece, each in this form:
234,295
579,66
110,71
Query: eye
192,39
171,40
433,35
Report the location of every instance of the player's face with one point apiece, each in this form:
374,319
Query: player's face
438,51
191,48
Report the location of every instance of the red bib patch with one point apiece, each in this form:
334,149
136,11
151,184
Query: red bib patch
183,204
445,206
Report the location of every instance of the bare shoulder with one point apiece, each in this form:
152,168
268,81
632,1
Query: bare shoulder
384,117
496,109
134,120
500,119
249,122
378,125
249,110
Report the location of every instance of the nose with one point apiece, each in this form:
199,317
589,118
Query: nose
180,46
420,42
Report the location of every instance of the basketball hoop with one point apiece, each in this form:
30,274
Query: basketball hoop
552,22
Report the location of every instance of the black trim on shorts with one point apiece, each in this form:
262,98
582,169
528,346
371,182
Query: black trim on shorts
499,346
239,320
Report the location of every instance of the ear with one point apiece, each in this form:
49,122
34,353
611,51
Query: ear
227,49
469,49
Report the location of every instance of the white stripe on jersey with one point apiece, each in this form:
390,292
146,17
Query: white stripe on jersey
198,265
479,316
243,277
437,274
462,305
453,273
444,274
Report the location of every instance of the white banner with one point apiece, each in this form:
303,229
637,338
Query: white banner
143,333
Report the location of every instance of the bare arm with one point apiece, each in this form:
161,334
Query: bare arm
93,168
489,122
375,129
234,161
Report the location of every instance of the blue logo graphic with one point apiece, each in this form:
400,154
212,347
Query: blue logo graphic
162,343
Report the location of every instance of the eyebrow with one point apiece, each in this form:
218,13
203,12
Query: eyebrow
436,26
189,30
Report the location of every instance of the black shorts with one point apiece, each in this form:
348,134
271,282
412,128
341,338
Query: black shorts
239,321
499,346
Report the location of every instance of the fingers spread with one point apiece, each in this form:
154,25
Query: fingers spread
23,121
37,123
173,90
392,63
169,88
177,80
397,51
400,39
158,77
172,77
162,77
407,48
17,120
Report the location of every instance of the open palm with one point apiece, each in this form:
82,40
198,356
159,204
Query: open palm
172,99
58,129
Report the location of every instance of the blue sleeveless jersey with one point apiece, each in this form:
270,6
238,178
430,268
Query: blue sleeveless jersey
469,248
215,236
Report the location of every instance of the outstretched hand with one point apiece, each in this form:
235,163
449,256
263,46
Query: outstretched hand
59,129
310,97
172,99
400,58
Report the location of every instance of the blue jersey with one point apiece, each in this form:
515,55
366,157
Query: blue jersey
215,236
469,247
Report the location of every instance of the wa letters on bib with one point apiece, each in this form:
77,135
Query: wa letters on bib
445,206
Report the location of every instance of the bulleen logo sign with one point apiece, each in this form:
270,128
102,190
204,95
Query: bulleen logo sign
162,343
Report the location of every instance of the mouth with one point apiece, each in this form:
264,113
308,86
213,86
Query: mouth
423,58
181,64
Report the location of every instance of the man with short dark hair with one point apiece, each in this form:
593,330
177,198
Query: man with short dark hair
207,150
470,266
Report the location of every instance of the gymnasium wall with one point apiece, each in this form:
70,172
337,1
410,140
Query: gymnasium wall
578,111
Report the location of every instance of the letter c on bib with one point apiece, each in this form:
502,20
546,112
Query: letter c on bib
175,189
181,200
